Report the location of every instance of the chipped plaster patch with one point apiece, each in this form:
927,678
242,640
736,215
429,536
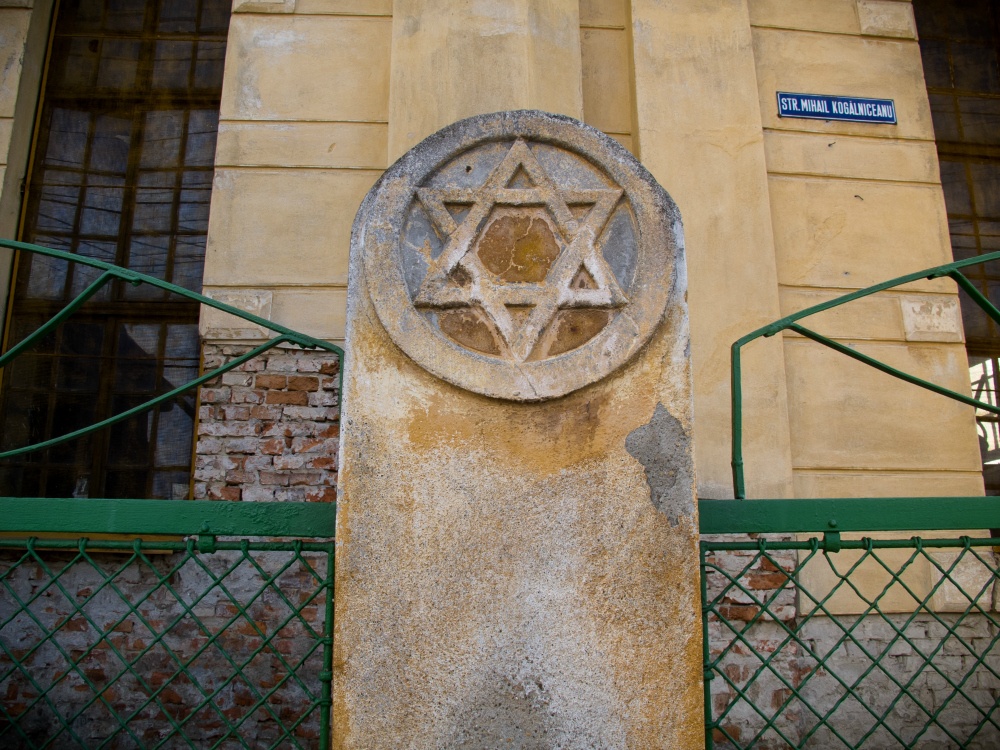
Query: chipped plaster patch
931,318
663,448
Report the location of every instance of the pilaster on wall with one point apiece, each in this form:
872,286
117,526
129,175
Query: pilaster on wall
462,58
24,33
699,133
606,55
302,137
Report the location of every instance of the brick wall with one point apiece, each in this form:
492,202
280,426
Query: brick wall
95,642
848,690
269,430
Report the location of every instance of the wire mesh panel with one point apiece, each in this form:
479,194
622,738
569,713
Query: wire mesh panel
865,643
157,644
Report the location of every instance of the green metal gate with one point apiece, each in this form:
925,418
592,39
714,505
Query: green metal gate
818,634
813,639
151,642
164,624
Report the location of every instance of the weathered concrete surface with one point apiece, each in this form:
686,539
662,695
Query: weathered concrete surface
506,575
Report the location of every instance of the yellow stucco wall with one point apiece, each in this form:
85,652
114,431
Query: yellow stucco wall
779,214
854,204
24,27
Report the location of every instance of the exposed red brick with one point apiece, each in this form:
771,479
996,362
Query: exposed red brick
761,581
290,462
304,445
731,729
245,396
739,612
271,381
169,695
305,478
265,412
274,446
276,439
240,413
291,398
322,462
321,495
779,696
215,395
274,477
224,493
303,383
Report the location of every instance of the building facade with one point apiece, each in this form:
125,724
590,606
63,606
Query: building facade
779,212
228,150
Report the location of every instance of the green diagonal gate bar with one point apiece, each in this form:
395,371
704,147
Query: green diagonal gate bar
790,322
111,273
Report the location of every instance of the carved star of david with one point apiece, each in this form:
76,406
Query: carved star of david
458,278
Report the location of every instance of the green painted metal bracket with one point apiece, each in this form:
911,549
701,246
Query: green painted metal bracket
202,518
112,272
790,322
838,515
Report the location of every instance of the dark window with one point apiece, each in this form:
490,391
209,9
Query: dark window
960,46
122,172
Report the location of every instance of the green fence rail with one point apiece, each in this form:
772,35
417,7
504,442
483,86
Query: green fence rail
112,273
815,637
186,641
790,323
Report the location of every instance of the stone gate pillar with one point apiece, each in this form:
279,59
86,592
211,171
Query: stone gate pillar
517,536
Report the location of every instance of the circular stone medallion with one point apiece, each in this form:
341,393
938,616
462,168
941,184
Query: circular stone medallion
520,255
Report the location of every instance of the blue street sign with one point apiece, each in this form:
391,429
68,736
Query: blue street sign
823,107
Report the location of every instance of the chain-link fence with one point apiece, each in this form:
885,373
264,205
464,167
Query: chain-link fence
165,644
871,643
